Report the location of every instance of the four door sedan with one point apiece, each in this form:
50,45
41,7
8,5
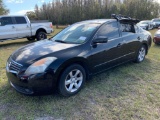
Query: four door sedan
81,50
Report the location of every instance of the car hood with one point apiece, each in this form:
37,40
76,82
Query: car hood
37,50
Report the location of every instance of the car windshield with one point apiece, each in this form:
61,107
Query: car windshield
76,33
156,20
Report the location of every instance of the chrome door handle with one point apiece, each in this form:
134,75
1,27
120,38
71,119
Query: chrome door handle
13,27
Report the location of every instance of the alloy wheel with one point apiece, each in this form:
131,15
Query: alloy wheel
73,80
142,53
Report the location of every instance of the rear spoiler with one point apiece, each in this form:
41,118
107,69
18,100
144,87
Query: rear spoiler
125,19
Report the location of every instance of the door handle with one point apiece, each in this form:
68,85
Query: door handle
139,38
13,27
120,44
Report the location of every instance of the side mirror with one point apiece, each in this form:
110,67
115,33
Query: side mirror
100,39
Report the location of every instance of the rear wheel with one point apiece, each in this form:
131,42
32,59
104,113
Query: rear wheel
41,35
72,80
141,54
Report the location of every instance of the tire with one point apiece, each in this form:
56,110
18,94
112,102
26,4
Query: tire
141,54
30,38
41,35
147,28
72,80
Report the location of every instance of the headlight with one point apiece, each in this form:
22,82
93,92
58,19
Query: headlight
40,66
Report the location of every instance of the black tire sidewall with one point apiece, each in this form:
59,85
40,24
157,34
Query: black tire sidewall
61,86
38,35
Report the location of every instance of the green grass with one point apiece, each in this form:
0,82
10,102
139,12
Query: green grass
128,92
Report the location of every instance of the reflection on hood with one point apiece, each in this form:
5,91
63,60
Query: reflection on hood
38,49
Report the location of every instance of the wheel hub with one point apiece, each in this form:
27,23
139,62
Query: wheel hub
73,80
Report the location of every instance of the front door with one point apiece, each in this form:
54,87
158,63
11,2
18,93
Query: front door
7,28
106,55
22,27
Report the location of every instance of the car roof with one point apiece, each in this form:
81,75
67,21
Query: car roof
98,21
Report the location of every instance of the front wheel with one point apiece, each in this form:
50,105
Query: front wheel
41,35
72,80
141,54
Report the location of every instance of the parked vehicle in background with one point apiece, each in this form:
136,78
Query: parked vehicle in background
156,22
156,38
13,27
146,24
79,51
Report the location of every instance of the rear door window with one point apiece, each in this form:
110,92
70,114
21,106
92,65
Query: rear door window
20,20
127,29
6,21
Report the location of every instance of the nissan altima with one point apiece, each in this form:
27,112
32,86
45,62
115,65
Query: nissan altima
65,61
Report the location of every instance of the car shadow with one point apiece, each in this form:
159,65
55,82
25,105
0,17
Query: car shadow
6,44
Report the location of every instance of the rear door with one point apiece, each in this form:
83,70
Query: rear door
131,40
23,28
7,28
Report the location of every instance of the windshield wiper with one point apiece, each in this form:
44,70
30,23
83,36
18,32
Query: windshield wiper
61,41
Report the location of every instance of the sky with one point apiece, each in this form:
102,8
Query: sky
20,7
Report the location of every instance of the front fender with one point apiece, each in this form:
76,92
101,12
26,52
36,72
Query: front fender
60,67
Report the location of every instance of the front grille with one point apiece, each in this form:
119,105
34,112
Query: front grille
14,66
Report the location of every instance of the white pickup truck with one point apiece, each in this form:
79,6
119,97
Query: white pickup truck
13,27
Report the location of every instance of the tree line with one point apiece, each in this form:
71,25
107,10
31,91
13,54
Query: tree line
3,9
70,11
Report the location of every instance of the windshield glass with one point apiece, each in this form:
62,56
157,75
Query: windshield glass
76,33
156,20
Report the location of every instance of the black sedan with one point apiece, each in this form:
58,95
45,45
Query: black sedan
79,51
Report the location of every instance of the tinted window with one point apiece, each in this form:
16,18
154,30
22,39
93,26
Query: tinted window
127,28
109,30
20,20
6,21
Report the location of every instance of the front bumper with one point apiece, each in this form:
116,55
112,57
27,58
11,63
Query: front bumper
39,83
